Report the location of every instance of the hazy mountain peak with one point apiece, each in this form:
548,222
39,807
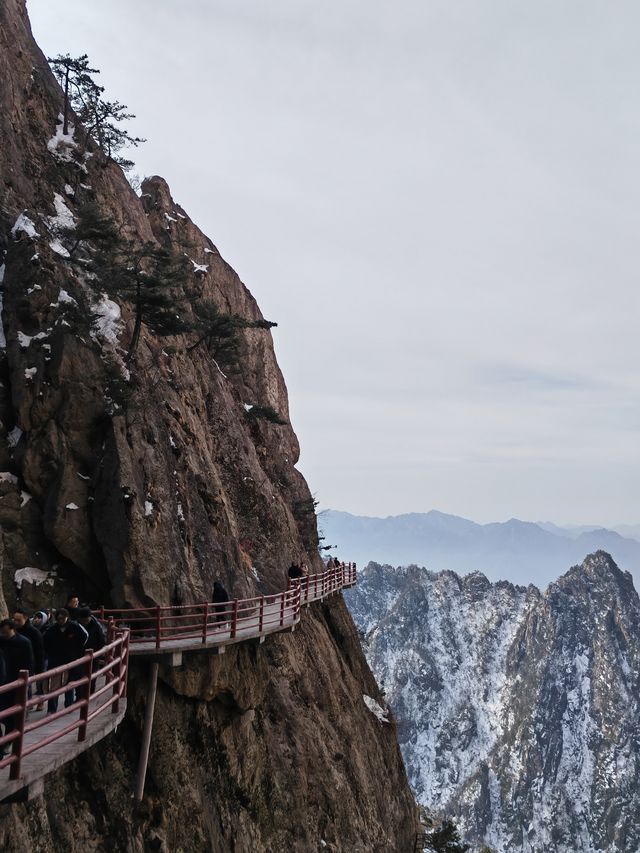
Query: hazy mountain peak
521,552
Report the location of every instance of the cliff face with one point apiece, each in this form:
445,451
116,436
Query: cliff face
519,709
144,488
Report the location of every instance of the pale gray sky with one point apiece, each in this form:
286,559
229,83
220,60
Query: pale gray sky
438,202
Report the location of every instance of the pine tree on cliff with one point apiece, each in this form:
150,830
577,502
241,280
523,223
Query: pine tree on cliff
151,278
74,75
155,279
446,839
219,333
101,119
93,227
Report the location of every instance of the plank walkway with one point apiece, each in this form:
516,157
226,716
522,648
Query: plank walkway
160,634
38,764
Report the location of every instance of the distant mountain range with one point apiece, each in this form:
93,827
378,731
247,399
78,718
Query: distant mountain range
522,552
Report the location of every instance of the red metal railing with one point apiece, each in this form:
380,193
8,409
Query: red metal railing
211,622
111,663
315,587
167,627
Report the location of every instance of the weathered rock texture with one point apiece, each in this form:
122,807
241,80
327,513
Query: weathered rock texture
269,748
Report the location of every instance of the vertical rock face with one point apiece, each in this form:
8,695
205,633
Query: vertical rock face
518,711
144,487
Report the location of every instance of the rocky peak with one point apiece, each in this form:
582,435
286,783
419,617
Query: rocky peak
597,571
519,709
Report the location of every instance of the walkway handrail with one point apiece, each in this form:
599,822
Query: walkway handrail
110,662
163,625
315,587
171,626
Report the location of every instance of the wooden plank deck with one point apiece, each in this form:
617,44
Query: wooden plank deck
47,759
220,635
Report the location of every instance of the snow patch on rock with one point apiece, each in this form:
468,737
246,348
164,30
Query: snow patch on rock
14,436
107,319
376,709
61,145
24,225
29,574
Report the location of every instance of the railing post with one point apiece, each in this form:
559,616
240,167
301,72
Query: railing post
86,690
125,669
158,623
117,680
205,621
234,619
261,620
22,695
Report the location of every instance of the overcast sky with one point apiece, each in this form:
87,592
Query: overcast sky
438,203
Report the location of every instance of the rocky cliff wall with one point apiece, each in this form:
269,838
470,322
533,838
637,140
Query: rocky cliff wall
144,487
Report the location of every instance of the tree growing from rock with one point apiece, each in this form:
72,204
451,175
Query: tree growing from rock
446,839
152,278
74,75
218,332
156,281
101,119
93,228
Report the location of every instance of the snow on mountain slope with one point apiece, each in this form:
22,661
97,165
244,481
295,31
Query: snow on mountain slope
518,712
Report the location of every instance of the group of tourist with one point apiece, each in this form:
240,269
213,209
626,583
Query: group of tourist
42,642
296,571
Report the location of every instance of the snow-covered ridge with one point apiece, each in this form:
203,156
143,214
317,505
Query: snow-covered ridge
518,712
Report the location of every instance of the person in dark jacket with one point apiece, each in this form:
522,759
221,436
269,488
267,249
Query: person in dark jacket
220,597
40,620
294,572
18,655
26,629
72,605
64,642
96,638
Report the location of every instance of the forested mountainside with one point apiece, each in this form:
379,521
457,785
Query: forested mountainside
139,480
518,711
